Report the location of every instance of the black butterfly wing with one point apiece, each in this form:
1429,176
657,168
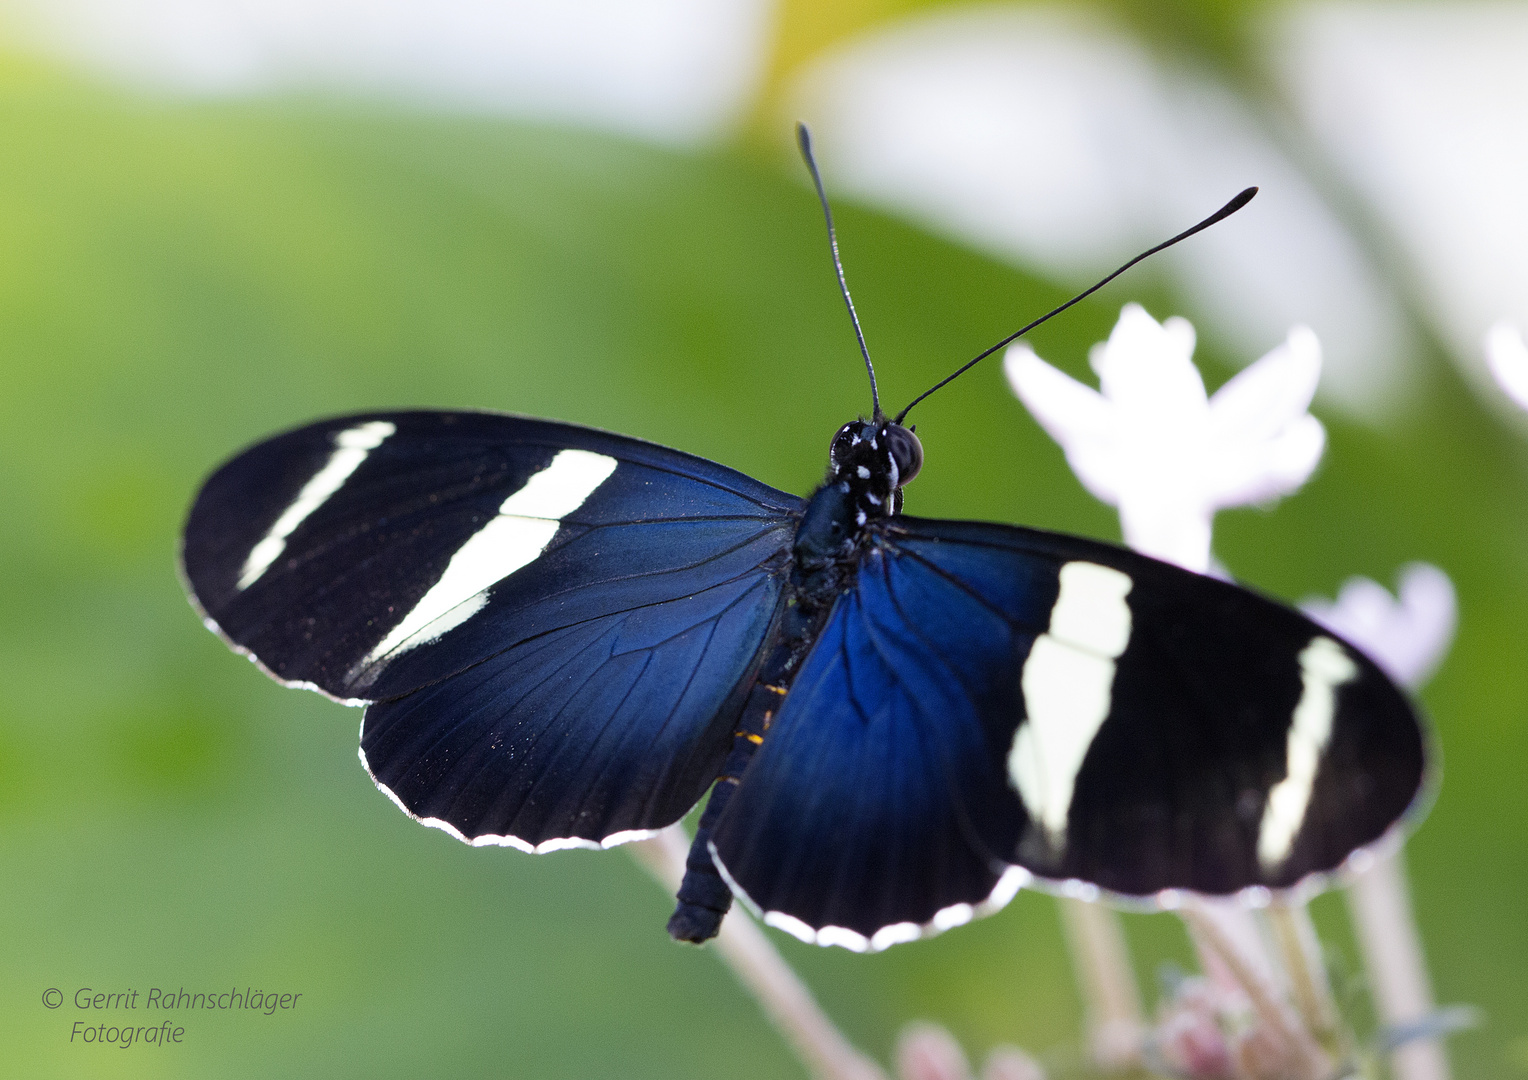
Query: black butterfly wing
1235,742
987,696
554,624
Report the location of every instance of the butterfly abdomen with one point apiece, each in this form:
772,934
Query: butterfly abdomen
822,570
703,897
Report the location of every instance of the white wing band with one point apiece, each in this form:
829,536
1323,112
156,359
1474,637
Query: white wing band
1324,666
525,525
1068,683
350,449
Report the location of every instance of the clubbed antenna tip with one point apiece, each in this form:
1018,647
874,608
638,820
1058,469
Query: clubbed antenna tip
1241,200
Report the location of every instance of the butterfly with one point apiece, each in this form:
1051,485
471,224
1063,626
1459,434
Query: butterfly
565,638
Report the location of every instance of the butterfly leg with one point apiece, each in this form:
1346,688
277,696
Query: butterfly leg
703,896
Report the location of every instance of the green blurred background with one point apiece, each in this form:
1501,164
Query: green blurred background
179,278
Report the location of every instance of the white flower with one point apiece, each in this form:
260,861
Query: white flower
1507,357
1153,444
1407,635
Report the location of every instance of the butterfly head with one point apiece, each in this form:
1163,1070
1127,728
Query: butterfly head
874,459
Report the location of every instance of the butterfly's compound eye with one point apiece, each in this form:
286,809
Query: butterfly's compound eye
838,452
906,451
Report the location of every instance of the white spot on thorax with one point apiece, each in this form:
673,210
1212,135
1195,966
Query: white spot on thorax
1324,666
864,473
1067,683
350,449
525,525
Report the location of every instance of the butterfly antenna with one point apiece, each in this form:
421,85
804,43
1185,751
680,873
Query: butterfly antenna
804,140
1224,212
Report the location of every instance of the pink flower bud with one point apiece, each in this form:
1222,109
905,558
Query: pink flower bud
927,1051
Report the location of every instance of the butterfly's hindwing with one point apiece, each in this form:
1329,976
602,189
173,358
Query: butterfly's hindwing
557,624
583,735
878,807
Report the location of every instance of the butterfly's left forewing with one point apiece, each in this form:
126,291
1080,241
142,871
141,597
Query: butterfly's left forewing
987,696
554,625
1178,731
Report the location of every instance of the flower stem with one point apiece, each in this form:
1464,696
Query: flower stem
1111,999
1379,903
1306,1054
758,965
1300,950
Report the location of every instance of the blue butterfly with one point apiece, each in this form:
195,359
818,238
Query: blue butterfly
565,638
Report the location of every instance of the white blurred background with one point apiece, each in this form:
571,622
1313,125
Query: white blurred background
1390,139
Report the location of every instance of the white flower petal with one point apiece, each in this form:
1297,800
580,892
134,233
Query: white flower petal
1062,405
1174,533
1078,417
1428,596
1148,369
1151,444
1264,397
1408,636
1181,333
1258,473
1507,357
1266,444
1097,470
